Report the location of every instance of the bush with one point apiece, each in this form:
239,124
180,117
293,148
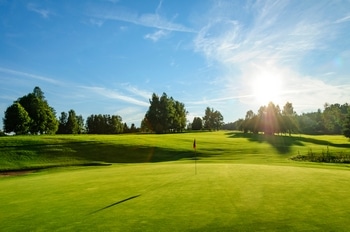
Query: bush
324,157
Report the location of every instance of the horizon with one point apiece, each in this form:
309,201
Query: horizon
109,56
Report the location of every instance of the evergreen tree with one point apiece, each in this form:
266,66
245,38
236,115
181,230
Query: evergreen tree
72,123
197,123
346,130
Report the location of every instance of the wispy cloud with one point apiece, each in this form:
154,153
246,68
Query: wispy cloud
156,35
344,19
96,22
275,39
138,92
43,12
112,94
28,75
153,20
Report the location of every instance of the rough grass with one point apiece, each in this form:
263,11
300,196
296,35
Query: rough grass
242,183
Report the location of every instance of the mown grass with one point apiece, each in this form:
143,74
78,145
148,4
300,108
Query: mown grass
238,183
170,197
26,152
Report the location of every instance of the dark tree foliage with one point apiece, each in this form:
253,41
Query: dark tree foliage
70,123
236,125
289,120
133,128
270,120
164,115
212,120
311,123
346,130
104,124
62,123
16,119
42,116
197,123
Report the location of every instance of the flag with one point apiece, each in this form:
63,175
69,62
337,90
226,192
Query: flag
194,144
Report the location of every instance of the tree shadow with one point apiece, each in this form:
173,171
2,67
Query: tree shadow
91,152
324,142
281,143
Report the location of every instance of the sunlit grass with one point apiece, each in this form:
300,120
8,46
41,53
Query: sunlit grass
239,182
23,152
171,197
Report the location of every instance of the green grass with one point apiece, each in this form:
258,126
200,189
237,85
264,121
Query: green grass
242,183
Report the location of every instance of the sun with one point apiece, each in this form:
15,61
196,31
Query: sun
267,87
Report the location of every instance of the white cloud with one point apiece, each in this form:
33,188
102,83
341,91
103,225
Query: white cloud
156,35
96,22
43,12
132,114
112,94
28,75
146,20
343,20
142,93
273,41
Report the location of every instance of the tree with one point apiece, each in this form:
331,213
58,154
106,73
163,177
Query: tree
43,119
164,115
125,128
197,123
346,130
289,123
16,119
62,123
212,120
334,118
250,122
81,127
271,119
72,123
104,124
133,128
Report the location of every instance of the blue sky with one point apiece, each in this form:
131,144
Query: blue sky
109,56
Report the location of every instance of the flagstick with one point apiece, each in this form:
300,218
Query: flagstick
195,161
195,156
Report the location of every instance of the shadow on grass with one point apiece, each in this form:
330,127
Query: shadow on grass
283,143
94,153
116,203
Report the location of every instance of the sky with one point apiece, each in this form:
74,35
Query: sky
109,56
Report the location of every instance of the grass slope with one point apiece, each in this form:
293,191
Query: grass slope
170,197
25,152
243,183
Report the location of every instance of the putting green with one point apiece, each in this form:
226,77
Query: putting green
171,197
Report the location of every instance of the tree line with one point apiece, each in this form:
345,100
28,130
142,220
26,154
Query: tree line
31,114
271,119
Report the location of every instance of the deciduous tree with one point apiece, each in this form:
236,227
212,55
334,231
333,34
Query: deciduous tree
16,119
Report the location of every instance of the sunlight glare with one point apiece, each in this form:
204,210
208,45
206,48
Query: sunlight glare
267,87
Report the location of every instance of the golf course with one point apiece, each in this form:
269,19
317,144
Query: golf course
231,181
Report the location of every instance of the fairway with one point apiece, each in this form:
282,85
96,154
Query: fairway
233,186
